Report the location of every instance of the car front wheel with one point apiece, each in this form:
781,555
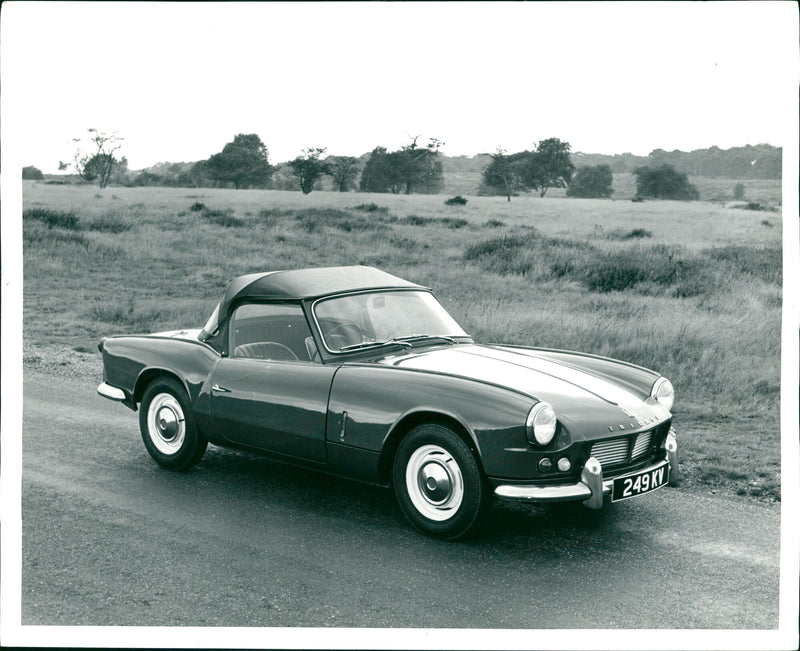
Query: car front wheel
438,482
168,428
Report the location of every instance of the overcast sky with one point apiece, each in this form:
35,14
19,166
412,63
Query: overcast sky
179,80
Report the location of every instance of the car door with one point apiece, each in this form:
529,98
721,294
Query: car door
268,393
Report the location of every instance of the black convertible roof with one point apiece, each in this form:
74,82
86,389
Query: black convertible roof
310,283
298,284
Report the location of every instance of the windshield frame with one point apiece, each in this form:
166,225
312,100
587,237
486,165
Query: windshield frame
386,290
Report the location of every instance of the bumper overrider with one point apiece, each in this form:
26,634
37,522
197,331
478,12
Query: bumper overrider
592,487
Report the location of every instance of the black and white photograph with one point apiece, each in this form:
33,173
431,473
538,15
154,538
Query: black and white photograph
400,325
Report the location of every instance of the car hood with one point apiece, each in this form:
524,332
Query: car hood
594,394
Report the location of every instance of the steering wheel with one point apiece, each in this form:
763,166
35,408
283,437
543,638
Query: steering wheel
352,328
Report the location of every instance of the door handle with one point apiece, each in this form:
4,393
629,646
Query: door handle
220,389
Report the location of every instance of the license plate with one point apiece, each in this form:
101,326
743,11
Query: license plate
639,483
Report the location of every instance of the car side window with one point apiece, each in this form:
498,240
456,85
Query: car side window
276,331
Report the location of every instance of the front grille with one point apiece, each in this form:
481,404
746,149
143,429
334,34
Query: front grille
624,448
610,452
642,444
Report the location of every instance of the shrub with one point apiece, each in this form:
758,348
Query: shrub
270,216
198,206
664,182
755,205
494,223
453,222
458,200
738,191
763,263
109,224
370,207
53,218
312,219
657,265
416,220
31,173
223,218
593,181
622,234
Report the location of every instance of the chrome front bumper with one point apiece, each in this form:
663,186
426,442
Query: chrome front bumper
112,393
592,487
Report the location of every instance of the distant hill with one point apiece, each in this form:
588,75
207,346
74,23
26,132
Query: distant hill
748,162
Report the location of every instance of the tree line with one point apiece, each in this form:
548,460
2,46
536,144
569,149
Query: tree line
244,163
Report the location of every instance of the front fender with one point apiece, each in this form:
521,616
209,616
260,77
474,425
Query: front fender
368,402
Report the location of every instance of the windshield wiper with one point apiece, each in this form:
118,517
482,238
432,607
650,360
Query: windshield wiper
370,344
449,340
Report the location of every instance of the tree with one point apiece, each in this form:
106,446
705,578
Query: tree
98,163
377,174
503,174
308,168
343,171
591,181
409,169
663,182
31,173
243,162
549,166
420,168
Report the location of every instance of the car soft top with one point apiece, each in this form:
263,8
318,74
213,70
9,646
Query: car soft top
303,284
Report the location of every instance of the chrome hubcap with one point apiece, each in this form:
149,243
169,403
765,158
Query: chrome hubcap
166,425
434,482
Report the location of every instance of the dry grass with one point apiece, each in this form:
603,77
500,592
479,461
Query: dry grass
142,259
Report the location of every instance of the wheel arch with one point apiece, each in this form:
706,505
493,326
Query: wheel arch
414,419
149,375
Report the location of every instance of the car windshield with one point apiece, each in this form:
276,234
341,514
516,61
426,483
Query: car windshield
381,318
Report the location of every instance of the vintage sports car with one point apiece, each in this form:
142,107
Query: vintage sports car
358,373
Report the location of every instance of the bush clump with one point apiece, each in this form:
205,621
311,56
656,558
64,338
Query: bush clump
53,218
109,224
224,218
198,206
655,269
371,207
623,234
458,200
755,205
640,268
763,263
664,182
591,182
313,219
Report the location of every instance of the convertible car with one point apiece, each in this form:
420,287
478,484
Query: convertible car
359,373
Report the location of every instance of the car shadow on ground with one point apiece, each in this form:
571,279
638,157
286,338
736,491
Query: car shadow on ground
263,480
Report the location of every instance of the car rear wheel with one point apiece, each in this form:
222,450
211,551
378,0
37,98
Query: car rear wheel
438,482
168,428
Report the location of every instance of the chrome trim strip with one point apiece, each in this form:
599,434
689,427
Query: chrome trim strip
112,393
588,490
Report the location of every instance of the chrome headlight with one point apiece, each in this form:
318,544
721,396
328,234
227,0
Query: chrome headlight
664,393
541,424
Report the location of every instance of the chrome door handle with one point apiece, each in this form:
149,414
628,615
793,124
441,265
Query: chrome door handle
220,389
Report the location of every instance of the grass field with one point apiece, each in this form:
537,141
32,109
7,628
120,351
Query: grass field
692,290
